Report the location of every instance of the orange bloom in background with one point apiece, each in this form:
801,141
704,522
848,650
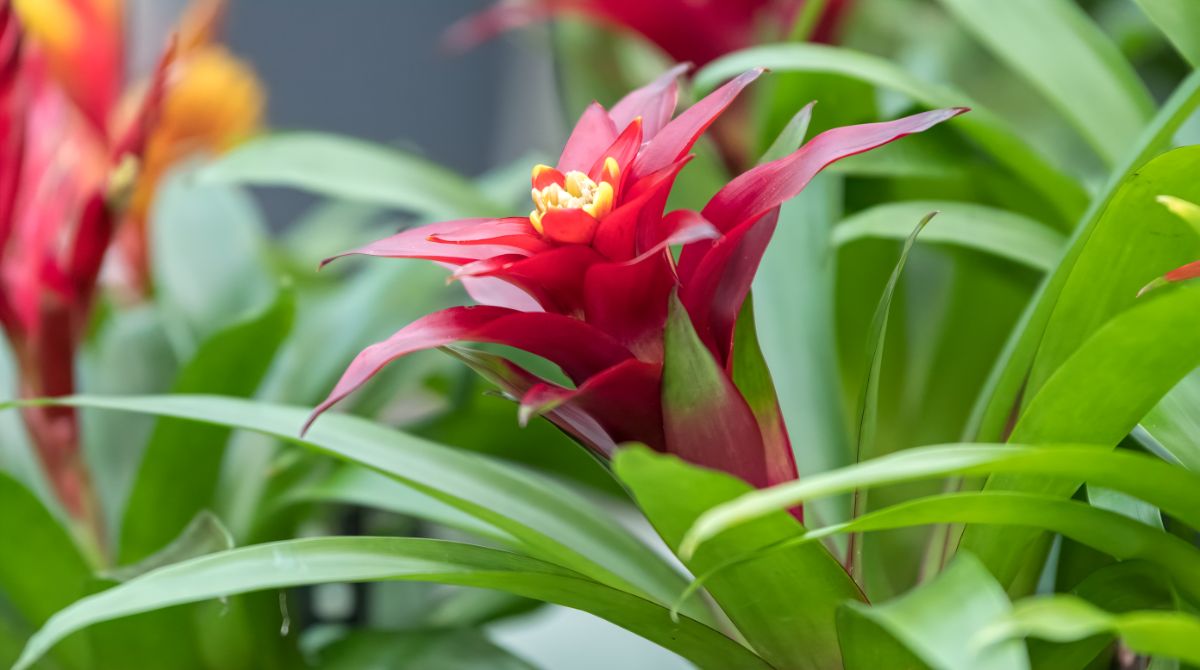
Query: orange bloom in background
210,99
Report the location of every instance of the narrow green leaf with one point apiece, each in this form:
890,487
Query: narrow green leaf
551,521
1134,240
783,605
995,404
358,559
992,231
1057,48
791,137
182,462
938,621
1097,397
991,132
1064,618
1109,532
351,485
1180,22
1174,423
350,169
1171,488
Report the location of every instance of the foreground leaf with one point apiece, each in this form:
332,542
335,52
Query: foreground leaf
1065,618
358,559
938,621
784,604
550,521
1168,487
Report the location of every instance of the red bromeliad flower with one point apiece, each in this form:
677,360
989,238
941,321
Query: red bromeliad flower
587,281
696,31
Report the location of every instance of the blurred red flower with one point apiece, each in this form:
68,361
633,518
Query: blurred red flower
587,280
695,31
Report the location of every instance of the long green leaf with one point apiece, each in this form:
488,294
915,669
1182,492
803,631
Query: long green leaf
784,605
322,560
1065,618
938,621
1004,386
42,570
1134,241
1097,397
1057,48
992,231
1180,22
457,649
1174,423
552,522
1109,532
988,130
1169,487
351,169
182,461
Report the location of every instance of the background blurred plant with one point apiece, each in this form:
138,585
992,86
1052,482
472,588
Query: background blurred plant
1010,338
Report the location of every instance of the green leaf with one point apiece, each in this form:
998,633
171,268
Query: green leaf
938,621
993,231
549,520
1134,241
1169,487
182,462
352,485
1096,397
1180,22
1174,423
42,571
1005,385
1064,618
791,137
462,649
784,605
204,535
351,169
1109,532
989,131
322,560
1061,52
208,246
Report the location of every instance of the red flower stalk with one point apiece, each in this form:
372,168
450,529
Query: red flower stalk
60,181
587,281
685,30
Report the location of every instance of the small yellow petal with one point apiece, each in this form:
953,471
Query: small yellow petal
535,219
538,169
611,169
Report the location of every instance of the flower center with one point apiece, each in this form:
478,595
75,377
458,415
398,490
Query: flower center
554,190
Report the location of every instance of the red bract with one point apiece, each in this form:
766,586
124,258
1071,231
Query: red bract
597,282
686,30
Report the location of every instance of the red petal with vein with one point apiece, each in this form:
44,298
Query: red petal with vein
682,226
417,242
499,293
593,133
553,278
616,237
770,184
623,149
517,381
578,348
654,103
626,400
569,226
678,136
715,290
